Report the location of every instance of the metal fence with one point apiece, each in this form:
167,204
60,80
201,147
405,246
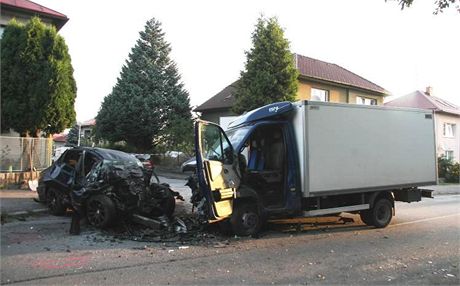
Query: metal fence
25,154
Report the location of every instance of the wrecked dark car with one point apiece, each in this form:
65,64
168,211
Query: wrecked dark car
104,185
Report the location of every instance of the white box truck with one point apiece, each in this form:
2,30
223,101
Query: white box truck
311,159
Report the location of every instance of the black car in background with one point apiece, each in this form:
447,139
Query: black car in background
103,184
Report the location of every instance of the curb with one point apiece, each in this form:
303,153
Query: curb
23,213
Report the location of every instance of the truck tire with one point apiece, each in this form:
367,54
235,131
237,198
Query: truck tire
381,213
54,202
100,211
245,219
365,217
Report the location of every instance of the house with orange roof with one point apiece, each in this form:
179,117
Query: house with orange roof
318,81
447,120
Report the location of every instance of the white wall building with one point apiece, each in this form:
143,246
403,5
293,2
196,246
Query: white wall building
447,120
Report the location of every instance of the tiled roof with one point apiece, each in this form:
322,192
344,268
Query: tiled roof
90,122
316,69
61,137
419,99
308,68
34,8
223,99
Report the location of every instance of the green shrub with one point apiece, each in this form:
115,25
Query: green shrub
448,170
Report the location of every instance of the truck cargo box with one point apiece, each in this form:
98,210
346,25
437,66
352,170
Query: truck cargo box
346,148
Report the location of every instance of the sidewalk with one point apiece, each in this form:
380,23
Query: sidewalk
448,189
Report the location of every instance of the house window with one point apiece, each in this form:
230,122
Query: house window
366,101
319,94
448,130
449,154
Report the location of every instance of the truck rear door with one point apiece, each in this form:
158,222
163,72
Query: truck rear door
216,168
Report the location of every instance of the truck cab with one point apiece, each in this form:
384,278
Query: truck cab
249,169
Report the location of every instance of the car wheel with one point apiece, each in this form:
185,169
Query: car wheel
100,211
381,213
245,219
54,202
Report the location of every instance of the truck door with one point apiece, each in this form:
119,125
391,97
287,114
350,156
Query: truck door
216,168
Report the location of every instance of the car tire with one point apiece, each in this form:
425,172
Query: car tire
381,213
246,219
54,202
100,211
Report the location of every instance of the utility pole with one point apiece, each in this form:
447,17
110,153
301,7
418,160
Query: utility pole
79,132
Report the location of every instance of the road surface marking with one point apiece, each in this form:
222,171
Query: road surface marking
423,220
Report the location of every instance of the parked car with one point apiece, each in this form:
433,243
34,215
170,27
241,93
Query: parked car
189,165
103,184
174,154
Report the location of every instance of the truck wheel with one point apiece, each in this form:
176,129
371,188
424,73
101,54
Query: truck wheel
365,217
54,202
100,211
381,213
245,219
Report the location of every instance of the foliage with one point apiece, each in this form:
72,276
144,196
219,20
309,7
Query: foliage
448,170
148,99
38,89
440,5
72,136
270,74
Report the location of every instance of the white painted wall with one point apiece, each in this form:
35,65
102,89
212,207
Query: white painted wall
444,143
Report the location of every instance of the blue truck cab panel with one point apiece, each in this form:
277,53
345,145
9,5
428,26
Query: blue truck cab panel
262,168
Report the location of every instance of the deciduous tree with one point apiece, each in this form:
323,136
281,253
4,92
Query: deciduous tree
440,5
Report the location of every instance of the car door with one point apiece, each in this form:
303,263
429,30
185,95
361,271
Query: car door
63,173
216,168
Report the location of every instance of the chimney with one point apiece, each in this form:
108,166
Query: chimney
429,90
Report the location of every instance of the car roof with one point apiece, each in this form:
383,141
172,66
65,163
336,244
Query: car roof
108,154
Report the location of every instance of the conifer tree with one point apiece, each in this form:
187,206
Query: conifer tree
270,74
37,85
148,97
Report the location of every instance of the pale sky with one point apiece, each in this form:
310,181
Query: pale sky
401,51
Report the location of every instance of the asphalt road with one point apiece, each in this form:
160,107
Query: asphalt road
421,246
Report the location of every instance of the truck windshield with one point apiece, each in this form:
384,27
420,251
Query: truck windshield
215,147
237,135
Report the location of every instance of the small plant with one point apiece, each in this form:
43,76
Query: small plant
448,170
